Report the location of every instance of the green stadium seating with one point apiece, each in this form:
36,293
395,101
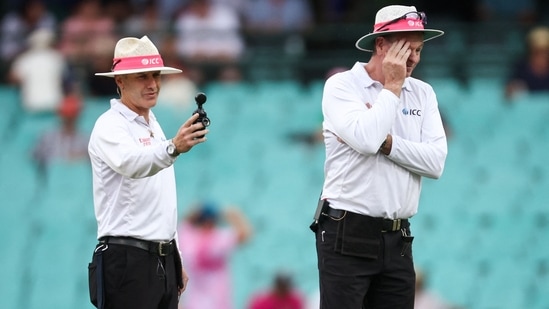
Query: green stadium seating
480,231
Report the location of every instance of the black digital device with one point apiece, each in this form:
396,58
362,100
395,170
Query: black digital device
200,99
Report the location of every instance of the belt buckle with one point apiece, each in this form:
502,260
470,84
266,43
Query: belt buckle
160,250
396,224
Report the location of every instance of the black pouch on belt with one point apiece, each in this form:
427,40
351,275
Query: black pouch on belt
95,277
178,269
358,236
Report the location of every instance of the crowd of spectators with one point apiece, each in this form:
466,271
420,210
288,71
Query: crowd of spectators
205,33
210,37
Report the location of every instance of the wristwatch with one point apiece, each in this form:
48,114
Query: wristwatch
171,150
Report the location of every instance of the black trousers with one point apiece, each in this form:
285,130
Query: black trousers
373,270
137,279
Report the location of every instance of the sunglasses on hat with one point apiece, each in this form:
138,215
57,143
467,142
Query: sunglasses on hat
410,15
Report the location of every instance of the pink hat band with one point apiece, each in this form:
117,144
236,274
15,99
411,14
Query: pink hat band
137,63
404,24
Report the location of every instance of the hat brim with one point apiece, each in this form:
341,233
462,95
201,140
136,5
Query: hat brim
163,70
366,43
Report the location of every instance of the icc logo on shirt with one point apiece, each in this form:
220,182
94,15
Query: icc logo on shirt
413,112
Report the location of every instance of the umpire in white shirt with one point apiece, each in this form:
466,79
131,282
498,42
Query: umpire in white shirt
383,132
136,263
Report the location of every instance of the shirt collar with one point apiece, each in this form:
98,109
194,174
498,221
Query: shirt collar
360,72
120,107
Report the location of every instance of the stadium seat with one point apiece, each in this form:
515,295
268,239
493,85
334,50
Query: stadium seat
486,214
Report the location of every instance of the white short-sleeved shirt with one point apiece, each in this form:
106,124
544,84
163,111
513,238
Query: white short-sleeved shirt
133,177
358,115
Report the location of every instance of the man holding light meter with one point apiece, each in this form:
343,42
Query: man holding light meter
136,263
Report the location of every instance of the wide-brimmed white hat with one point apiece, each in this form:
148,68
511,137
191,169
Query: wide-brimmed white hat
397,18
133,55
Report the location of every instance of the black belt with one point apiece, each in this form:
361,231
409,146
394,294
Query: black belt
159,248
388,225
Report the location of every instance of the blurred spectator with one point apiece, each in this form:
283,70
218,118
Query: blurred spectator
329,11
531,74
238,5
282,295
39,72
167,9
119,11
208,36
99,86
206,253
80,33
278,16
18,24
178,90
275,29
66,142
424,298
523,11
209,31
147,20
60,8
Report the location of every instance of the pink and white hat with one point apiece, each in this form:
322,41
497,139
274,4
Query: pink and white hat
133,55
397,18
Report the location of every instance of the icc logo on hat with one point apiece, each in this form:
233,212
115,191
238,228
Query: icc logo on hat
147,61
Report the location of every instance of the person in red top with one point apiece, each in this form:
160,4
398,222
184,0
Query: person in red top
282,295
